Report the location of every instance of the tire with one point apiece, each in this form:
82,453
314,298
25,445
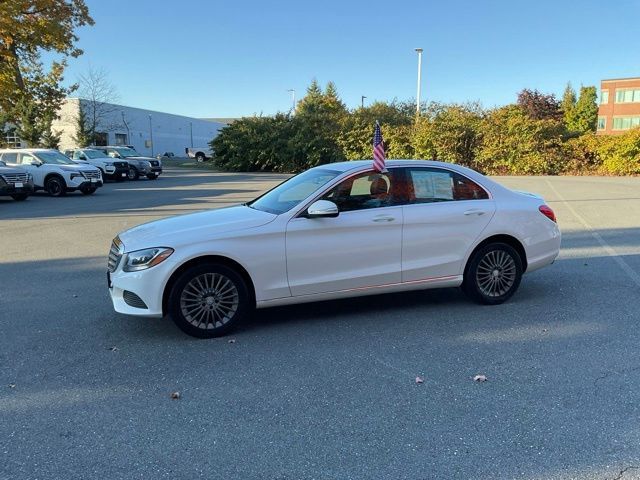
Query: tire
55,186
192,301
493,274
88,190
133,174
200,157
20,197
152,176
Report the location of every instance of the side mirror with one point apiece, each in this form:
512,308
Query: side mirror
82,157
322,209
35,163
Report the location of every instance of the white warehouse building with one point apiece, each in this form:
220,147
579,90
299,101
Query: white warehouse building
149,132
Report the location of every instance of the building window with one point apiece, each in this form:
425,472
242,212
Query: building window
602,123
627,95
102,139
121,138
625,123
604,97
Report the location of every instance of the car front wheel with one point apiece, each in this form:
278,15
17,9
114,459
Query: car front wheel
200,158
55,187
208,300
493,274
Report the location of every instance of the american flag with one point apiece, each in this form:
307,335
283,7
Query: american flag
378,150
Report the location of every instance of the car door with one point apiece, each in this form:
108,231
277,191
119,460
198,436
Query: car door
359,248
25,161
445,214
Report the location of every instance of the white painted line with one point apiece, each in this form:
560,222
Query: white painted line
607,248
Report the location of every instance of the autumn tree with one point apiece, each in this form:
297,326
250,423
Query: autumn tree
584,116
568,102
97,95
29,90
539,106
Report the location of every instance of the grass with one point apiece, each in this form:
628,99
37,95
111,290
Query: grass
188,163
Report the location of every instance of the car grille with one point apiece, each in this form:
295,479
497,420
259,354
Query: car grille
15,177
92,174
133,300
121,164
155,163
115,254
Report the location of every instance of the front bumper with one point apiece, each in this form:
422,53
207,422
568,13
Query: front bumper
120,172
12,189
148,285
92,183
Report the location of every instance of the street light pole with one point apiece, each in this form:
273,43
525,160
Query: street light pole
419,50
151,134
191,129
293,99
362,97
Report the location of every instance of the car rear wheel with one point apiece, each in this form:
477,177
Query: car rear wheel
493,274
20,196
133,174
208,300
200,158
55,186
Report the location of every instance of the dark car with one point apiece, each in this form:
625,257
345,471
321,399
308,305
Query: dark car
15,182
139,165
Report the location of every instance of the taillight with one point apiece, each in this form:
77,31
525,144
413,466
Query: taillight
547,212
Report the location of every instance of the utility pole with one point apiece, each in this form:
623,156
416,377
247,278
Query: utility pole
151,134
292,91
191,130
362,97
419,50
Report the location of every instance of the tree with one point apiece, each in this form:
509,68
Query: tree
539,106
49,139
83,136
312,101
584,116
568,102
97,95
29,27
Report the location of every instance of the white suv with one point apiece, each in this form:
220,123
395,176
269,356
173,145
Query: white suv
54,172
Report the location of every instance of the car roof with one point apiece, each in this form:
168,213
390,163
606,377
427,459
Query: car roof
11,150
355,164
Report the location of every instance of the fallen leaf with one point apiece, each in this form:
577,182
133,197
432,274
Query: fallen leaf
231,340
544,330
12,385
75,296
113,349
480,378
175,395
419,379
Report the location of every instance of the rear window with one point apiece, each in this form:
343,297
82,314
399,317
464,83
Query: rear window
430,185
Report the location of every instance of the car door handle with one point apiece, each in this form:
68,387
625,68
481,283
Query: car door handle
474,211
383,218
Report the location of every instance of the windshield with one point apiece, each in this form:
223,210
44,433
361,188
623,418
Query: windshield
125,152
291,192
93,154
54,157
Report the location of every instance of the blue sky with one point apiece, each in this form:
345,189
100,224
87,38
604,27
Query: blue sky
233,58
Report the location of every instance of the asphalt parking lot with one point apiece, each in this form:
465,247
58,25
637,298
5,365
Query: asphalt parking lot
324,390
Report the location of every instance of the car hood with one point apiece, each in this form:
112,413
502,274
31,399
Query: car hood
193,227
146,159
77,167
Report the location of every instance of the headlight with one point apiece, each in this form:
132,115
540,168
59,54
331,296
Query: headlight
108,164
147,258
144,164
75,175
29,177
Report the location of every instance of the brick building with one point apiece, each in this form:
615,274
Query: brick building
619,108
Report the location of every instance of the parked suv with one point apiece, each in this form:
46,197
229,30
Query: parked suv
111,169
138,164
15,182
54,172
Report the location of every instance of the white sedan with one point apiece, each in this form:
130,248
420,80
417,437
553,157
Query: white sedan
334,231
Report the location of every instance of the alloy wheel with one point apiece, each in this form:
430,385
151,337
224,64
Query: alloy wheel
496,273
209,301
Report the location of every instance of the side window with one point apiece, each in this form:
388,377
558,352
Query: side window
430,185
26,159
10,157
366,190
466,189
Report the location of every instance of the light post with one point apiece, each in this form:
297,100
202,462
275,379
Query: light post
191,130
292,91
362,97
151,134
419,50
